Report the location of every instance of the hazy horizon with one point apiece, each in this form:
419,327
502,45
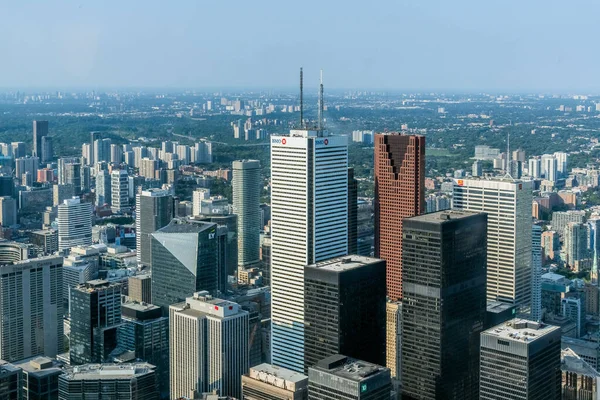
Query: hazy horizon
457,47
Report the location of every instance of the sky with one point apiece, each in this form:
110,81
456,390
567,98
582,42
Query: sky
454,45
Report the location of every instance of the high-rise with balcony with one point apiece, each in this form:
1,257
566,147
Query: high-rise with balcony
246,204
309,223
154,209
509,239
399,194
119,184
444,306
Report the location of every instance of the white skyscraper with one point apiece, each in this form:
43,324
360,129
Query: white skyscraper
74,224
119,184
549,167
561,163
535,166
246,204
536,273
31,306
508,205
309,218
208,343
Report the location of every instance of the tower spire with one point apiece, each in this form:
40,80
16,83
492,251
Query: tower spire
321,103
301,100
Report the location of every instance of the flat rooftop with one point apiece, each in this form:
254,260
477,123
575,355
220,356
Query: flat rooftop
441,216
498,306
521,330
345,263
279,372
138,306
40,365
107,371
180,225
348,368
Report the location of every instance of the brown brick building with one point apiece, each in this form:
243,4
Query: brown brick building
399,193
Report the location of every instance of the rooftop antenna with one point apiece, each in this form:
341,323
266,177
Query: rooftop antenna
301,100
321,103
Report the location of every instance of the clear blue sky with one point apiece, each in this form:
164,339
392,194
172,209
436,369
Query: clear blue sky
509,45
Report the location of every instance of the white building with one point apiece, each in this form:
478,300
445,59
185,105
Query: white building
103,192
549,167
535,167
208,343
32,308
197,196
74,224
246,204
203,153
508,205
562,163
119,183
309,218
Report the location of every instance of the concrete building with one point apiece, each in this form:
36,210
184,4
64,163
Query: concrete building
39,377
208,346
95,309
40,129
309,223
8,211
508,205
109,381
26,164
536,272
32,297
140,288
535,167
103,188
184,261
444,275
10,381
393,342
532,351
155,208
246,204
119,184
47,149
74,224
268,382
344,309
342,378
579,379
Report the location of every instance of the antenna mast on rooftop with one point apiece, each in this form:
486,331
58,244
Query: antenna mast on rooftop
301,101
321,103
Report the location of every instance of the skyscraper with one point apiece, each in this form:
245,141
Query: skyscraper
535,167
443,312
508,205
536,272
146,332
93,137
31,306
8,211
74,223
40,129
47,149
520,358
184,261
154,209
72,176
549,167
95,309
208,345
561,163
352,213
140,288
399,193
119,185
246,204
26,164
309,223
103,188
344,309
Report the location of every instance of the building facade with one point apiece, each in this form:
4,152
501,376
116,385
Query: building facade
268,382
155,208
74,224
309,223
444,306
246,204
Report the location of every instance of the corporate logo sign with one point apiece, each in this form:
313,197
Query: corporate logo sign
278,141
319,142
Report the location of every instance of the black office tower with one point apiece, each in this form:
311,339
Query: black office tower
344,309
40,129
184,261
352,213
444,304
95,309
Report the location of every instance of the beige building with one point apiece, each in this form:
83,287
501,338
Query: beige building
269,382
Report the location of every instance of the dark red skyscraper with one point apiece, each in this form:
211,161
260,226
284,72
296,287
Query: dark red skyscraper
399,193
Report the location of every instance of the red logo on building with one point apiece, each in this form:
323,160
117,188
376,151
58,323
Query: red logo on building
460,182
283,141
